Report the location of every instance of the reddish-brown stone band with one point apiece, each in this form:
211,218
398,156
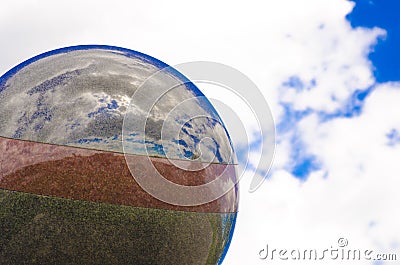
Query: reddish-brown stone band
99,176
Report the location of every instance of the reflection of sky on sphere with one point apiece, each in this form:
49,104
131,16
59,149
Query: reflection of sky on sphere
79,97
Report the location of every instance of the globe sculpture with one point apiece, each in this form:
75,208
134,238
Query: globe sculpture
74,162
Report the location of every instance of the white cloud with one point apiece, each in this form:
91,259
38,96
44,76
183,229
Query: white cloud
361,164
269,41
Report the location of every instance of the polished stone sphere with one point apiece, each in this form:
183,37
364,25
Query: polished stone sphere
81,130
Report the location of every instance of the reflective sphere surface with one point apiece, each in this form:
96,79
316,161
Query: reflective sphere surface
73,155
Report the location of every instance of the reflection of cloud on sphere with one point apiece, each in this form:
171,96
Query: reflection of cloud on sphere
80,97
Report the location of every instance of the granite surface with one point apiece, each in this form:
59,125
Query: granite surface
91,175
41,230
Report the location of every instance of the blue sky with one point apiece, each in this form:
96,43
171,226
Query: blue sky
386,55
385,59
383,14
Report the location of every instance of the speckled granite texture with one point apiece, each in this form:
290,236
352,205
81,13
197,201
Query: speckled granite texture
81,174
46,230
